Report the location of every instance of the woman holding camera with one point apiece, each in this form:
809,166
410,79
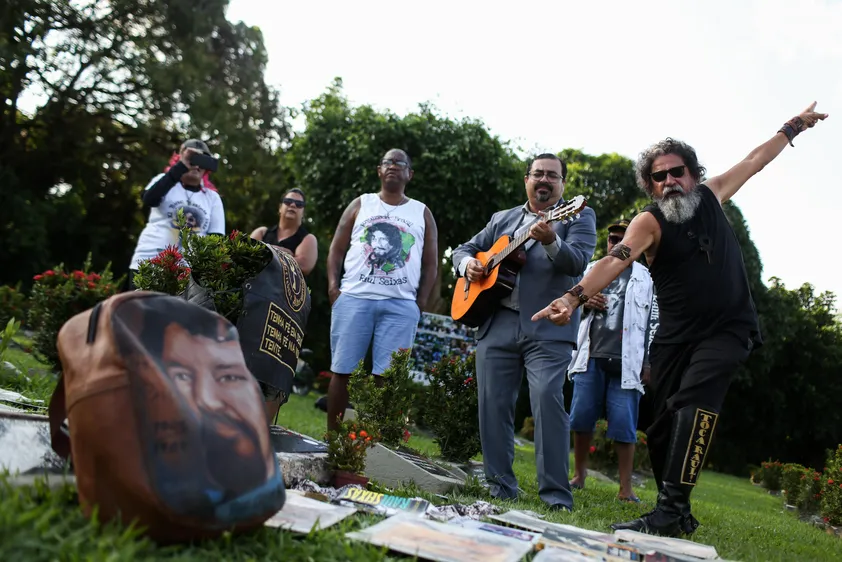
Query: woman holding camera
184,185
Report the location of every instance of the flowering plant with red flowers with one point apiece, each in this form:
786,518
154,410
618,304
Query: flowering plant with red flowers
219,264
452,407
165,273
348,445
831,492
771,473
809,492
57,296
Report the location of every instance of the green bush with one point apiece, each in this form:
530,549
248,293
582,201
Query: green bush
13,304
603,455
528,429
809,492
770,475
831,493
385,406
452,407
791,480
57,296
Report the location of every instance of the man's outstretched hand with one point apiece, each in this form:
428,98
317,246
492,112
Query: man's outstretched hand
558,312
810,117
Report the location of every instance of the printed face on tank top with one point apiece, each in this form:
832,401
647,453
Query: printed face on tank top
387,246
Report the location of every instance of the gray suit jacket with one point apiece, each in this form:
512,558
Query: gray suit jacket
541,280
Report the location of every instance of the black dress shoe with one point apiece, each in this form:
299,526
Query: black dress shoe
560,507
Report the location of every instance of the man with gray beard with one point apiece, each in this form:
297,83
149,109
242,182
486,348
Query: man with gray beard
708,323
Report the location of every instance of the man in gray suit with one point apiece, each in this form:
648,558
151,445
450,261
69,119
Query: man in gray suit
508,342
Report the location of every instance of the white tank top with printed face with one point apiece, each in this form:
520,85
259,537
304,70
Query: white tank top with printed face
384,259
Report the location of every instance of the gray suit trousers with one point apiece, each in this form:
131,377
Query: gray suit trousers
502,355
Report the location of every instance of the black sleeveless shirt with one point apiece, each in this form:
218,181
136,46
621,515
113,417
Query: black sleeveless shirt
290,243
698,295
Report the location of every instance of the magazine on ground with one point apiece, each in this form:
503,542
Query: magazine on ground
442,542
468,523
666,545
622,545
529,522
585,542
380,504
553,554
301,514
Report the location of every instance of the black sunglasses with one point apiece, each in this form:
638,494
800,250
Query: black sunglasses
660,176
615,239
290,202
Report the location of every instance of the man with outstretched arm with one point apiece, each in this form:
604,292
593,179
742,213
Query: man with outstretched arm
708,323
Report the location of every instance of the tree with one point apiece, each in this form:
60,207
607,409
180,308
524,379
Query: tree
118,85
462,173
784,404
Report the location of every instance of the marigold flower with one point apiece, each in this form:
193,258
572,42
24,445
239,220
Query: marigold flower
353,436
363,433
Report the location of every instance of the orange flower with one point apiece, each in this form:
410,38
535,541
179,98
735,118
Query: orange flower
363,433
353,436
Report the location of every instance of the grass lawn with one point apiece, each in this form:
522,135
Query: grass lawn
742,521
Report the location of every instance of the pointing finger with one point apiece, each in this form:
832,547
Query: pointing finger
543,313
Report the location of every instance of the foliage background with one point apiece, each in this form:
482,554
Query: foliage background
95,97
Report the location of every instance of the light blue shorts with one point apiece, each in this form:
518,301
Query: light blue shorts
355,322
595,391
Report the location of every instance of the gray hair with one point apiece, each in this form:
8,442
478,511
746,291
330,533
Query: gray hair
661,148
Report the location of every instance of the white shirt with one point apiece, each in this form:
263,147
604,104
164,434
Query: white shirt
203,210
636,316
387,242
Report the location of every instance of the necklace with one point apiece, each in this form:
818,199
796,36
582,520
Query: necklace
387,211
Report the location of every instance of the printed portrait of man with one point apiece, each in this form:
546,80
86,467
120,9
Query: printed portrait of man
386,247
193,218
199,409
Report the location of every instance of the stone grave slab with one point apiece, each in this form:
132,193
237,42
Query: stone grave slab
25,448
300,456
395,468
26,452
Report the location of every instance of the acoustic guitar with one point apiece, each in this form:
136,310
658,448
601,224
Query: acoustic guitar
473,303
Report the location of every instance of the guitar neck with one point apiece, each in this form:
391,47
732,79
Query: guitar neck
561,212
519,241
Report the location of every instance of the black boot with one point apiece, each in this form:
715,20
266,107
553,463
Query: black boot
692,431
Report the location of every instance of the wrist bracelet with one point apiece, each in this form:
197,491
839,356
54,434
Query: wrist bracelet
579,293
792,128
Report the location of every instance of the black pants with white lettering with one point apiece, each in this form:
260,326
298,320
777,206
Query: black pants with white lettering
688,384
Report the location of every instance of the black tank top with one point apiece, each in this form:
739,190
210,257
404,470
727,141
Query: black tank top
699,296
290,243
